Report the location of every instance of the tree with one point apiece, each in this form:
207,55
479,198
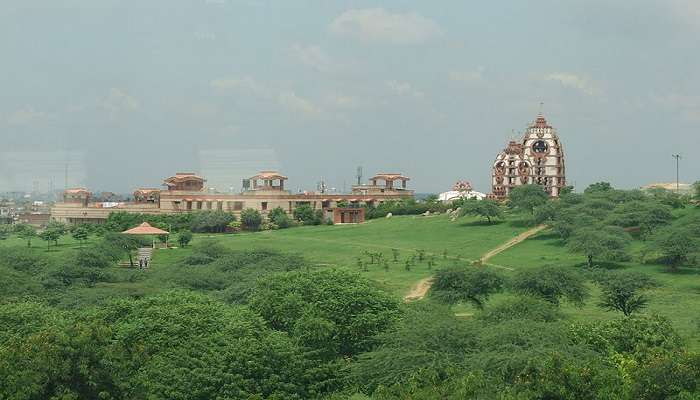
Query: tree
474,285
26,232
413,346
211,221
126,243
5,231
598,187
176,345
646,214
50,235
280,218
566,190
546,213
184,238
80,234
552,284
521,307
696,186
483,208
527,197
607,243
676,246
334,312
623,291
251,219
306,215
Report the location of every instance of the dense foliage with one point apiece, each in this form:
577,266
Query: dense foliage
406,207
600,223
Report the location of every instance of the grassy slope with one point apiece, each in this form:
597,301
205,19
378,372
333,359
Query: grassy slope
678,298
341,245
325,246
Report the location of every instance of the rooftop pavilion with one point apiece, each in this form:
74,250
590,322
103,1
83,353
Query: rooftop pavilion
268,180
384,183
185,181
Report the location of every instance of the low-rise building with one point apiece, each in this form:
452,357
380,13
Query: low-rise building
263,192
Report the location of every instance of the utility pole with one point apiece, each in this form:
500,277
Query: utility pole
677,157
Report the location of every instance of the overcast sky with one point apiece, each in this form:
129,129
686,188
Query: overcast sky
142,89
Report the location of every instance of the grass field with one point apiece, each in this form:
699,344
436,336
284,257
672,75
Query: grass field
340,245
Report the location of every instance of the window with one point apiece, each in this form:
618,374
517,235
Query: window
237,205
264,205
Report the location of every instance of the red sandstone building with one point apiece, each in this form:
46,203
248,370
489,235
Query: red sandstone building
185,192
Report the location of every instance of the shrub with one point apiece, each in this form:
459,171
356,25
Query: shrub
211,221
280,218
251,219
521,307
474,285
551,284
184,238
198,259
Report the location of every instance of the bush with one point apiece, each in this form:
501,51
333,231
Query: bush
184,238
211,221
307,215
551,284
251,219
280,218
474,285
210,248
198,259
521,307
334,312
92,258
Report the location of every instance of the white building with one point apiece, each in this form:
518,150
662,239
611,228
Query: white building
461,190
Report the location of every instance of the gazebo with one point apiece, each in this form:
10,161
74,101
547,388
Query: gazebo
146,229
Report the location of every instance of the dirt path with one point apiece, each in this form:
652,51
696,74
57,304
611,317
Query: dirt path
419,291
505,246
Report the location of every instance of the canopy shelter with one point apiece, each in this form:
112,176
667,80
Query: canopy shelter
146,229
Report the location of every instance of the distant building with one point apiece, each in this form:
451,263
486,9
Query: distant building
375,185
536,159
38,219
461,190
185,192
683,188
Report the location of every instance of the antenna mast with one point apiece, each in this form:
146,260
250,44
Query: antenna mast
677,157
359,175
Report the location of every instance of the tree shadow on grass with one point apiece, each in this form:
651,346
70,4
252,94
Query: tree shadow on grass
547,236
598,265
482,223
522,223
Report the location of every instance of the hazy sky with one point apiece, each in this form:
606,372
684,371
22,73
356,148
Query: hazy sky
432,89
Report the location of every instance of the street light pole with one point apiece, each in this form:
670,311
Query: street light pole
677,157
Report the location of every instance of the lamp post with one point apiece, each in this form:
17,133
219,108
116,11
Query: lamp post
677,157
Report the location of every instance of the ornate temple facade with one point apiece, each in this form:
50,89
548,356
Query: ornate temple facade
537,159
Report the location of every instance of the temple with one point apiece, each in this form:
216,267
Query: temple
186,192
536,159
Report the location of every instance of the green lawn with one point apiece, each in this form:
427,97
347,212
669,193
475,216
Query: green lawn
678,297
340,245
